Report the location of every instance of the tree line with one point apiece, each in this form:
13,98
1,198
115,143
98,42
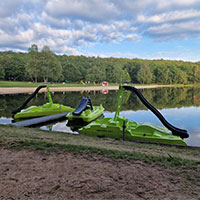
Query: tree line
46,66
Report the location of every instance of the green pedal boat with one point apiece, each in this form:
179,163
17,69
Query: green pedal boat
49,108
86,111
120,127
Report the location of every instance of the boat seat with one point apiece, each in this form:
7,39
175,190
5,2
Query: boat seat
85,103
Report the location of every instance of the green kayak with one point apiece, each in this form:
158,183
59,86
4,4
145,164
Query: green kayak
86,111
120,127
49,108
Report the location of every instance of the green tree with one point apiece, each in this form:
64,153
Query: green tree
127,77
2,71
14,67
50,67
161,74
188,69
181,77
144,74
115,73
133,67
176,75
33,48
71,73
95,74
119,75
33,67
196,73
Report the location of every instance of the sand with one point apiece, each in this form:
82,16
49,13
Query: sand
28,174
15,90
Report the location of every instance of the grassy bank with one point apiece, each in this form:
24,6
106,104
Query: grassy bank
31,84
163,155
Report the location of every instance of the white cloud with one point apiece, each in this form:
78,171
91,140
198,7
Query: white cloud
66,25
92,10
9,8
114,55
21,22
133,37
169,31
170,16
60,46
57,23
163,5
169,55
133,7
21,39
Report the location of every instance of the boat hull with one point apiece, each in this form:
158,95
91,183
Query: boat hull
87,115
45,110
145,132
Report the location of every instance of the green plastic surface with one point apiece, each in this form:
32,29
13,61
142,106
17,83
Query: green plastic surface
115,128
47,109
88,115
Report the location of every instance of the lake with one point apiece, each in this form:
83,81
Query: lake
180,107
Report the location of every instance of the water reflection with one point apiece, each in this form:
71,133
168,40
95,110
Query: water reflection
60,126
5,120
184,118
180,106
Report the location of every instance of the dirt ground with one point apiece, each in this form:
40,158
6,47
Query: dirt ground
34,175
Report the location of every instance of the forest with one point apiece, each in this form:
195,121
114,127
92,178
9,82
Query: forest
46,66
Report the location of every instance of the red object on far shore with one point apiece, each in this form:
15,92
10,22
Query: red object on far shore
104,83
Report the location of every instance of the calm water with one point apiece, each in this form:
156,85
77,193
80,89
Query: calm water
180,107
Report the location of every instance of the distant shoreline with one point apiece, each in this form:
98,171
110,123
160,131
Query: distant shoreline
16,90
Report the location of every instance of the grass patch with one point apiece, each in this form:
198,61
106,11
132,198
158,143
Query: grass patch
32,84
168,156
17,84
159,160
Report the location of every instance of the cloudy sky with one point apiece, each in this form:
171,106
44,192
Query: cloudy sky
149,29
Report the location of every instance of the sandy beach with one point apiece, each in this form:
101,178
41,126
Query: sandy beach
15,90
